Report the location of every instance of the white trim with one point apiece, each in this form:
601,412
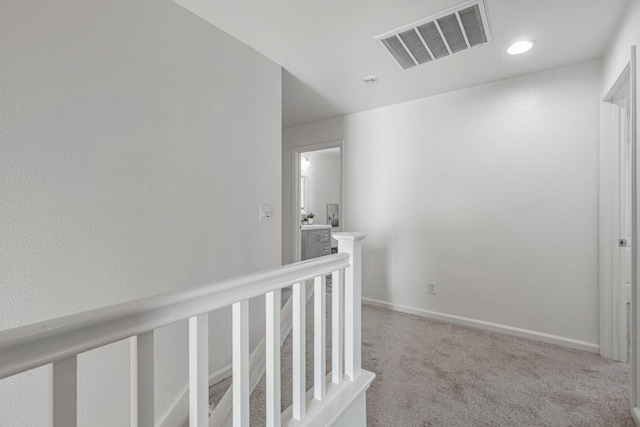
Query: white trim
295,221
635,383
31,346
489,326
339,400
199,370
612,289
635,412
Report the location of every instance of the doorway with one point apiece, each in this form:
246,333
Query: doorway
618,227
317,198
617,204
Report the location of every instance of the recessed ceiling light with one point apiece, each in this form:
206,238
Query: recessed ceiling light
520,47
369,80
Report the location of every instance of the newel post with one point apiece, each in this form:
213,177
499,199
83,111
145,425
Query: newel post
351,243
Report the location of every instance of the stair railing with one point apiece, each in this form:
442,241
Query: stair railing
59,341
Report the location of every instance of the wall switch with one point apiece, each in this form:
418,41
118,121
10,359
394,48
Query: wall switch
431,288
265,212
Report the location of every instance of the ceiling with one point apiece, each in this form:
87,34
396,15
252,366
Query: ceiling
327,47
331,152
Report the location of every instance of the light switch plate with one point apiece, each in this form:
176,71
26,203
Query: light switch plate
265,212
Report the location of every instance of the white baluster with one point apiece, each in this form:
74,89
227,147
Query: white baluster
142,380
337,326
199,370
65,392
273,307
351,243
241,364
319,337
299,349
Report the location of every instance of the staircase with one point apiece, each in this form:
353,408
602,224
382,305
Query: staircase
220,399
220,393
334,398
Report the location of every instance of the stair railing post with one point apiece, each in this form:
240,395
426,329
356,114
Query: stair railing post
351,243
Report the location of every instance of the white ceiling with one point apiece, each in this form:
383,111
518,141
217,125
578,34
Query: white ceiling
326,47
331,152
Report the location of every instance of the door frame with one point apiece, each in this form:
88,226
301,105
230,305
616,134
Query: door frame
295,223
613,299
635,296
613,329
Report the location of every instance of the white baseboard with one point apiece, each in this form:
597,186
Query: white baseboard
495,327
335,408
636,415
178,413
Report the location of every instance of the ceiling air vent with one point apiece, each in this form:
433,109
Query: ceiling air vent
440,35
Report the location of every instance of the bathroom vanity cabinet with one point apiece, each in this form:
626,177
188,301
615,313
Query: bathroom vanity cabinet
316,241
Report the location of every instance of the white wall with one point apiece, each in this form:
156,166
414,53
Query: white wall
322,183
628,34
136,144
490,192
292,138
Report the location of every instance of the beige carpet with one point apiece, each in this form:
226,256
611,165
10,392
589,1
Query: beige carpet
432,373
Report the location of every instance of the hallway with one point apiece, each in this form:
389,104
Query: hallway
432,373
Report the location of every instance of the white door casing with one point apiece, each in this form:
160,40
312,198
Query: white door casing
618,234
635,296
613,219
616,219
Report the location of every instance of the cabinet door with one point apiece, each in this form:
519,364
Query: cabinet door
303,244
313,238
315,243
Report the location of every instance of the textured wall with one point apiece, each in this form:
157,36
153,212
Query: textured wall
490,192
618,53
136,144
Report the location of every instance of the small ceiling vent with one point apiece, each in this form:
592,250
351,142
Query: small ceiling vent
440,35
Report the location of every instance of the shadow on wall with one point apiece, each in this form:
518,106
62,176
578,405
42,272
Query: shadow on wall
300,101
375,272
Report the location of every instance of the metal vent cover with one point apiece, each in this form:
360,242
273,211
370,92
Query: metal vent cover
438,36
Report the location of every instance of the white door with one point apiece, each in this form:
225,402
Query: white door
625,224
619,260
616,216
626,198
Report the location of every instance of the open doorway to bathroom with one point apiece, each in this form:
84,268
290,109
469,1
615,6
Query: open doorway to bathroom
317,200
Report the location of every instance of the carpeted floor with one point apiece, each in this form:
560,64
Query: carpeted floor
432,373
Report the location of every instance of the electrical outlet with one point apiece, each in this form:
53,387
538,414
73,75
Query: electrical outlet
432,288
265,212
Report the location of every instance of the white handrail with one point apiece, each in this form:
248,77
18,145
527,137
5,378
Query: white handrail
59,342
35,345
